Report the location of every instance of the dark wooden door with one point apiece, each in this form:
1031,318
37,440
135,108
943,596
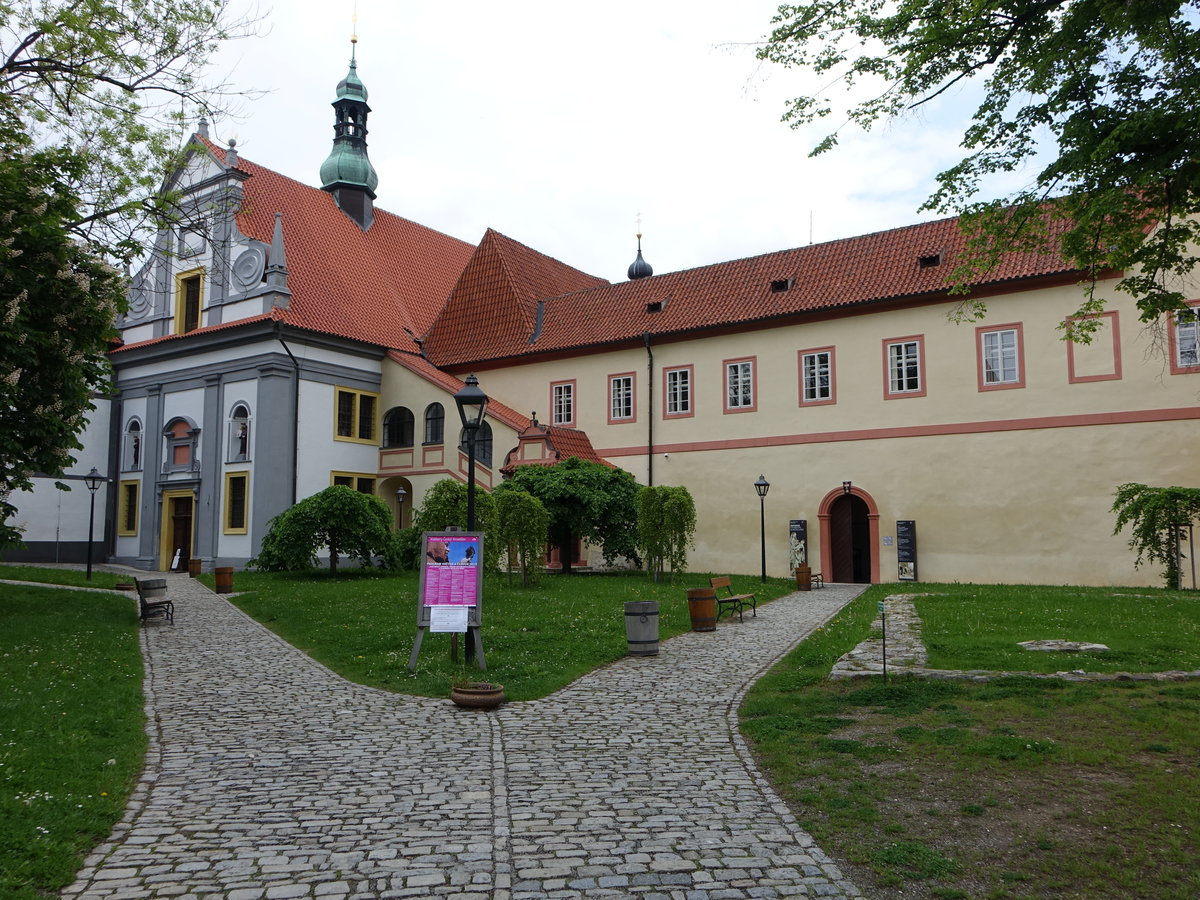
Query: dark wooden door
181,530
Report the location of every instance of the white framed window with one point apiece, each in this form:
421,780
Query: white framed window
1000,357
1185,341
620,398
739,385
904,362
562,403
816,376
677,392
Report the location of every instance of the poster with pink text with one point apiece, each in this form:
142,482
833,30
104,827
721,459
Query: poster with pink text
450,570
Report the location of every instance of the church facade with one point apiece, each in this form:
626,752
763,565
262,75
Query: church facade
303,338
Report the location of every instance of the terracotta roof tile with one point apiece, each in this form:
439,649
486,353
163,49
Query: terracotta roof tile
495,300
874,267
385,285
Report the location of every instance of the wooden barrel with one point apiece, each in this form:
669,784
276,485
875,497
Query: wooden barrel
641,627
224,579
152,588
804,578
702,606
193,567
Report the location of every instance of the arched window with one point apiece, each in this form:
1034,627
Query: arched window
239,433
483,444
133,446
398,426
435,423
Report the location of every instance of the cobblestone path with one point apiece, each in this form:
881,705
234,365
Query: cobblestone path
270,777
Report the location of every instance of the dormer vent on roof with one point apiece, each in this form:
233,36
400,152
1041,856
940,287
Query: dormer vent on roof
781,285
639,268
929,260
347,172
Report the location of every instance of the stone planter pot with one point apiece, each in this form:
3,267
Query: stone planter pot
124,586
477,695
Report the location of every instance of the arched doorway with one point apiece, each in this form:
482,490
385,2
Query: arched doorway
401,504
849,537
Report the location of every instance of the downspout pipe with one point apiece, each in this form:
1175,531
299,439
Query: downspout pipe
649,410
295,412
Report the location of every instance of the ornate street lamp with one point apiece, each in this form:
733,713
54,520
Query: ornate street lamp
762,486
401,493
472,407
93,480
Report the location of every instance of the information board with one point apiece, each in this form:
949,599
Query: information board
798,542
450,595
906,549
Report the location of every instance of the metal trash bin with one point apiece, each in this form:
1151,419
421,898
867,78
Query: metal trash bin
641,627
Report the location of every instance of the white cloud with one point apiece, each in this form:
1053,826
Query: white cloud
557,123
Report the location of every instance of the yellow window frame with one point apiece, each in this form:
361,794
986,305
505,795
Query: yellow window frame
123,499
181,280
227,528
356,436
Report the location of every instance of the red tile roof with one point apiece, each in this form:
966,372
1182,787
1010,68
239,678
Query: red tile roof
838,274
384,286
494,303
560,444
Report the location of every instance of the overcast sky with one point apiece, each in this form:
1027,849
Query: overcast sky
557,123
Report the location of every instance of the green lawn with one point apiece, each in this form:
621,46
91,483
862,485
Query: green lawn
72,737
1013,788
536,639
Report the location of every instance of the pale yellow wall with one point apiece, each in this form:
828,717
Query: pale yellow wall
1022,494
401,387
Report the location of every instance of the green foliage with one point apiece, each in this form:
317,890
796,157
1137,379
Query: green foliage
522,528
57,306
345,521
1113,86
1155,516
408,549
666,525
72,733
586,500
92,97
445,506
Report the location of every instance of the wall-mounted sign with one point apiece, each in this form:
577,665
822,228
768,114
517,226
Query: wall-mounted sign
906,549
451,588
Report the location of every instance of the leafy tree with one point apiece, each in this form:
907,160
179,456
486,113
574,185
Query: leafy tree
345,521
445,506
57,307
1155,517
585,500
1114,86
522,526
92,98
666,523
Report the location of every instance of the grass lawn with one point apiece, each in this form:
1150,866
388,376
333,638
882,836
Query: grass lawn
72,737
535,639
1014,788
76,577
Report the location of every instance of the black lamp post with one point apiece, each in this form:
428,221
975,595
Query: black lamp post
401,493
472,407
762,486
93,480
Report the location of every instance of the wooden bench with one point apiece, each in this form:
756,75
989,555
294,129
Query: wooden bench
152,600
731,601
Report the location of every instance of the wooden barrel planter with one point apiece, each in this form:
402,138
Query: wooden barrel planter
804,578
193,567
641,627
224,579
702,607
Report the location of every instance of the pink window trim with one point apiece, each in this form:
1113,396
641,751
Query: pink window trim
800,354
690,368
980,331
632,376
887,371
1177,369
574,403
725,364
